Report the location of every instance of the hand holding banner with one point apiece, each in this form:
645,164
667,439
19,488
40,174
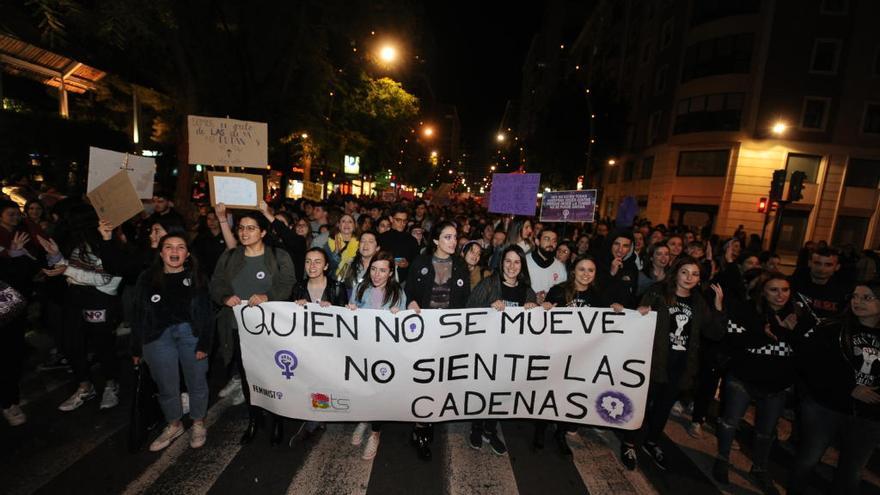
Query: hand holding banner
581,365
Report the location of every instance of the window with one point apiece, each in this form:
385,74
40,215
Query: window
666,33
871,121
660,80
647,167
808,164
629,169
862,173
834,7
709,10
814,115
715,112
725,55
709,163
850,230
653,131
825,56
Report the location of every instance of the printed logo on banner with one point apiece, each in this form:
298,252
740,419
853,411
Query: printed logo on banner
287,361
614,407
272,394
328,402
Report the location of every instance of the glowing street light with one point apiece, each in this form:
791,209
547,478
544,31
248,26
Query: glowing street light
428,131
434,154
304,135
779,128
388,54
500,137
612,161
492,168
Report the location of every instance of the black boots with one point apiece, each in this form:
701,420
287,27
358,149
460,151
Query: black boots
255,422
277,430
422,437
561,443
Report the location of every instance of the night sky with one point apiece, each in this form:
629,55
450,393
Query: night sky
479,49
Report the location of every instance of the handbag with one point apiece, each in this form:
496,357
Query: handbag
12,303
145,415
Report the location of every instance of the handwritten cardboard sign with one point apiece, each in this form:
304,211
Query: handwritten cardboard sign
103,164
514,193
312,191
243,191
568,206
116,200
228,142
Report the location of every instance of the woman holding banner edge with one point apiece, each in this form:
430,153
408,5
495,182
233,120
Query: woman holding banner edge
509,286
379,291
252,273
438,280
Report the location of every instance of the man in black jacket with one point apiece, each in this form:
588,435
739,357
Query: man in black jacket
401,244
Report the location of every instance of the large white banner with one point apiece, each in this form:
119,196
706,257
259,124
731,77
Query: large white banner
580,365
228,142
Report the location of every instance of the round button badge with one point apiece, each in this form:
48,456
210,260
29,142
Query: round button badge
156,298
261,275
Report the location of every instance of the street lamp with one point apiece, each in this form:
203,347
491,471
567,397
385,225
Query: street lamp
779,128
500,137
428,131
388,54
612,161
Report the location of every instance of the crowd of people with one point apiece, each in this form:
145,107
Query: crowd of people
729,324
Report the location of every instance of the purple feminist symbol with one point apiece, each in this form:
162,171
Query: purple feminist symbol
286,360
412,327
614,407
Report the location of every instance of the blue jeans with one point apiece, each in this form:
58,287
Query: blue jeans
819,427
177,344
768,407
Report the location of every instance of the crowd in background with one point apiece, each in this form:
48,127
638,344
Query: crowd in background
730,325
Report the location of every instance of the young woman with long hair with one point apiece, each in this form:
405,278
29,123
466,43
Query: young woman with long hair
762,336
838,366
172,329
437,280
378,291
683,318
252,273
342,246
509,286
354,273
655,268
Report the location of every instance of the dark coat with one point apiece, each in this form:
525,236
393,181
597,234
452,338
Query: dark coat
334,293
421,280
489,291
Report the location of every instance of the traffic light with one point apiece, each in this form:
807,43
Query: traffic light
777,185
796,186
762,205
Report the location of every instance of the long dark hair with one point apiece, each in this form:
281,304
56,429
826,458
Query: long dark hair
392,288
569,286
350,273
760,301
523,277
156,271
669,284
326,260
437,230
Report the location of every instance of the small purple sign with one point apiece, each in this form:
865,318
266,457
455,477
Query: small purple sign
569,206
514,193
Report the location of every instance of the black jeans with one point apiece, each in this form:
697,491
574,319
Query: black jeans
91,317
738,395
661,398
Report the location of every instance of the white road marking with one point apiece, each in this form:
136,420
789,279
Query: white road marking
477,472
334,465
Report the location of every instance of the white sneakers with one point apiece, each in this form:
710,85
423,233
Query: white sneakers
372,446
14,415
110,397
82,394
231,386
198,434
357,436
169,434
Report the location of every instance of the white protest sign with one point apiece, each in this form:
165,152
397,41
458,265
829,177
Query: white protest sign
227,142
104,164
579,365
235,190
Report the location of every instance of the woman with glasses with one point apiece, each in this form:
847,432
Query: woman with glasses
840,371
252,273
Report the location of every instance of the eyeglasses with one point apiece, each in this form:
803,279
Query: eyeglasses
868,298
248,228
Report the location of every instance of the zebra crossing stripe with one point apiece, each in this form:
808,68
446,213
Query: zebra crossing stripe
171,453
334,465
594,453
477,472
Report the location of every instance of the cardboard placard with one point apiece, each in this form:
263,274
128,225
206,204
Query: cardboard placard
116,200
312,191
514,193
103,164
228,142
243,191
